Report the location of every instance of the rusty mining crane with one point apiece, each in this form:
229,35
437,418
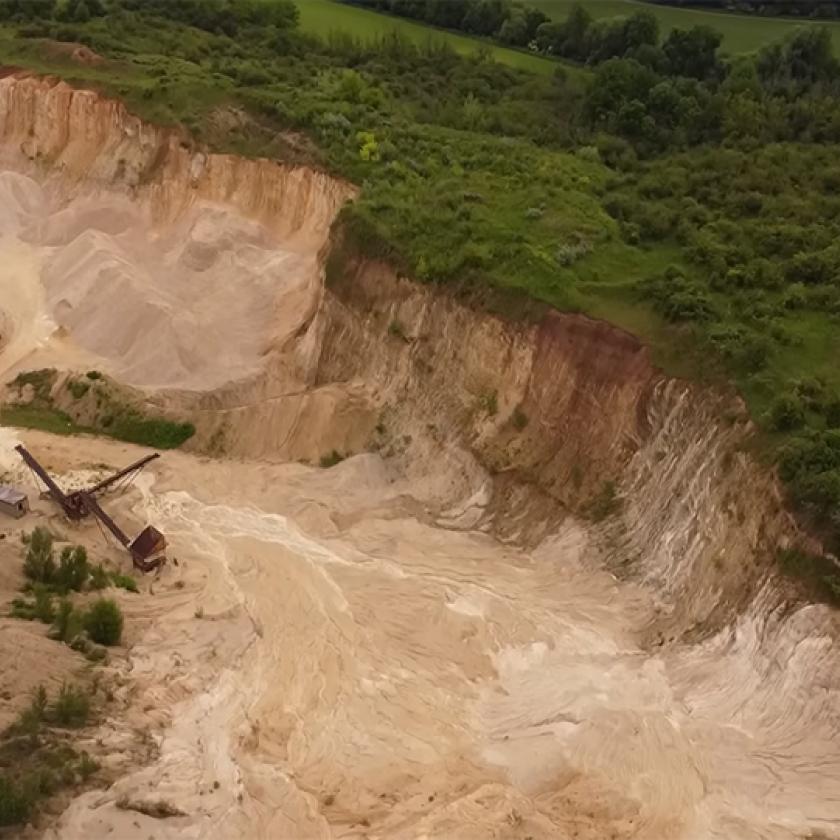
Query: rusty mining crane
146,548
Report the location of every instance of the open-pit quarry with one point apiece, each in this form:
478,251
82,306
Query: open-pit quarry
435,637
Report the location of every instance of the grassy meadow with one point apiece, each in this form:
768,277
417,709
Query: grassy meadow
321,17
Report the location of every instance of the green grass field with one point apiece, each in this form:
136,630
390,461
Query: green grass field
324,16
741,33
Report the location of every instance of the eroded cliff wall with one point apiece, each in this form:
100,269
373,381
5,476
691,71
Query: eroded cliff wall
89,140
497,423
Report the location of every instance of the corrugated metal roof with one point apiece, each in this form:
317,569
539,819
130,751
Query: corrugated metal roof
10,495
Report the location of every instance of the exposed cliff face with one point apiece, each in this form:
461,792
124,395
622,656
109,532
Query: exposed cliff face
90,141
545,417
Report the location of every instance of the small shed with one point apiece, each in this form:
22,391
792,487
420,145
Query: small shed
13,502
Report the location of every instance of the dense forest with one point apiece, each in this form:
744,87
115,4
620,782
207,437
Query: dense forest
690,198
819,9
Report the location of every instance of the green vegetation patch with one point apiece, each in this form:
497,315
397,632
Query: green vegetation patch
41,381
331,459
101,622
37,759
819,573
112,415
157,433
605,503
36,417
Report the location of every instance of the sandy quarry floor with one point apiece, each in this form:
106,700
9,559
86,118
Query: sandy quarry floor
324,663
333,667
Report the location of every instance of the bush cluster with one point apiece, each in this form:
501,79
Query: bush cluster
102,620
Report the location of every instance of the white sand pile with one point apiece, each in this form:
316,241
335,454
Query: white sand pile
194,307
25,324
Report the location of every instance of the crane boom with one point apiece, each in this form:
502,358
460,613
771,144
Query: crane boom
93,506
137,465
54,489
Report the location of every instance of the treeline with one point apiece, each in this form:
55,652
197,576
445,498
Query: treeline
681,93
583,39
22,11
223,17
511,23
579,37
815,9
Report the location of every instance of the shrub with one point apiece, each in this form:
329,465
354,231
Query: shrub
679,299
331,459
77,388
71,707
87,766
93,374
30,719
795,297
41,608
44,611
821,491
15,803
396,329
98,577
589,153
22,608
124,582
832,413
605,503
68,621
570,252
73,570
763,273
519,419
655,221
489,403
809,268
812,392
818,572
787,413
39,564
104,622
747,350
